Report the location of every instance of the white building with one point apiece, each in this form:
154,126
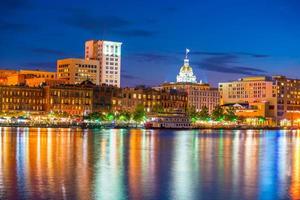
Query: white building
199,94
186,74
109,56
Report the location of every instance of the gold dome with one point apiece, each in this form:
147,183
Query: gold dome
185,69
186,74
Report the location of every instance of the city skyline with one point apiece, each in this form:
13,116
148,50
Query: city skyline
249,38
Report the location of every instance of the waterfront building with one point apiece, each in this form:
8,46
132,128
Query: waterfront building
39,73
22,99
35,82
4,74
247,90
108,55
106,98
21,77
153,100
287,92
76,70
71,99
199,94
76,99
281,93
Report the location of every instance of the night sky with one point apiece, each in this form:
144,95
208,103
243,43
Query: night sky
228,39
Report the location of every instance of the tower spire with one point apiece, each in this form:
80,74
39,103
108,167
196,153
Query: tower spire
186,53
186,60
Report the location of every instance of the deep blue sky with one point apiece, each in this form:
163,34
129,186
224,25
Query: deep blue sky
228,39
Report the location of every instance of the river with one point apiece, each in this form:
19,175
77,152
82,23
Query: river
45,163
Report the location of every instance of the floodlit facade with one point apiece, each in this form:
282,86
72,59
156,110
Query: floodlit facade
186,74
108,54
39,73
75,70
281,93
4,74
22,98
287,91
37,77
79,99
168,101
199,94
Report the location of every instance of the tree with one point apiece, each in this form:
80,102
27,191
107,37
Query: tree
203,114
95,116
218,113
109,116
191,113
230,114
124,116
261,120
139,113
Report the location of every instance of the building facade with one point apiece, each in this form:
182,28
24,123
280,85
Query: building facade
281,93
199,94
287,92
79,99
36,76
22,99
153,100
4,74
106,98
39,73
257,89
108,54
75,70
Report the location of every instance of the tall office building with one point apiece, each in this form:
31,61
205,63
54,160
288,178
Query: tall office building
109,56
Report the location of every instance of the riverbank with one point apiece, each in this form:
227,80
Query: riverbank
130,126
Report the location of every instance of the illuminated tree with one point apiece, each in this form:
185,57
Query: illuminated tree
218,114
191,113
95,116
230,114
124,116
261,120
204,114
109,116
139,114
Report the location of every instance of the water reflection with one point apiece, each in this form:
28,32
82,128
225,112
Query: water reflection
49,163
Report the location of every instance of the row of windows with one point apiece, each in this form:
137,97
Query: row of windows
111,72
247,96
111,81
112,59
116,68
25,100
63,66
196,99
245,84
22,93
70,94
87,66
70,101
22,107
111,63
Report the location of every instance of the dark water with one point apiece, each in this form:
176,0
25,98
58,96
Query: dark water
145,164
